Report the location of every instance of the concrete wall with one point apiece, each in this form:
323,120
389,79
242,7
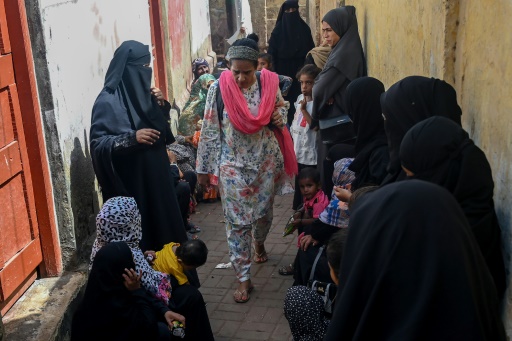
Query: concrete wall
468,44
73,43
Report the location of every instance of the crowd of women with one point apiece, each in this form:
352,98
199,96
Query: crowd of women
394,201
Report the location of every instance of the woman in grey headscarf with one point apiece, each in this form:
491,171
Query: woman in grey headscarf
346,62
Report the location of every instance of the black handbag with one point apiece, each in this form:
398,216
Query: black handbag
326,290
335,127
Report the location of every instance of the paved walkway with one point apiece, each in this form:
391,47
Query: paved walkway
262,317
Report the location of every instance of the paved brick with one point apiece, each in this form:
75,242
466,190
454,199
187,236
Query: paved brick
262,317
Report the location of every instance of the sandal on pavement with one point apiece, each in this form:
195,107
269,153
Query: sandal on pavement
260,258
238,295
286,270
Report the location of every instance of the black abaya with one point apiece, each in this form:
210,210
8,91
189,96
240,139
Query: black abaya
122,165
439,151
362,102
108,310
411,270
289,43
409,101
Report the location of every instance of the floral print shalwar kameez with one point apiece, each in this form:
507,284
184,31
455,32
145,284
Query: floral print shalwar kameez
250,171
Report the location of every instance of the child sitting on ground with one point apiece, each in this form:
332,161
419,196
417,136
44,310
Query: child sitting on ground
315,202
304,139
174,259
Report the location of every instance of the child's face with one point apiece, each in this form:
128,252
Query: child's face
306,85
308,188
263,64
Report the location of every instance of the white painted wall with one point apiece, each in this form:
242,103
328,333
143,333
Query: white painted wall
200,15
81,37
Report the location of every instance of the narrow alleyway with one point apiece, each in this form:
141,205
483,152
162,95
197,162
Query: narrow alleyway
262,317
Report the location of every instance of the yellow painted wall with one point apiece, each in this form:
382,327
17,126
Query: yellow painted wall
469,44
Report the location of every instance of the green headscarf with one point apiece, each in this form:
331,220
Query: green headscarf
194,108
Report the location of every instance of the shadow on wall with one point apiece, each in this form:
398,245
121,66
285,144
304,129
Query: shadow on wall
84,198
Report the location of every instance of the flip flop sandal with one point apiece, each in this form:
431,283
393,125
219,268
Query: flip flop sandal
260,258
286,270
241,294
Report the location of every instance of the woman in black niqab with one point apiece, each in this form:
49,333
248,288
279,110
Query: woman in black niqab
440,151
411,270
409,101
371,146
124,167
109,311
289,44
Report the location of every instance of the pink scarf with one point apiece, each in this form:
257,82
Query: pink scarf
245,122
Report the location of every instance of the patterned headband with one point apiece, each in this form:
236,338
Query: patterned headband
242,52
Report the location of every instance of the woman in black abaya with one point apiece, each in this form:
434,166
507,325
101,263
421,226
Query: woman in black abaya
371,147
114,308
439,151
289,43
129,132
346,62
409,101
411,270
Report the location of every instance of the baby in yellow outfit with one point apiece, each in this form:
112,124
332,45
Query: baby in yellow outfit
174,259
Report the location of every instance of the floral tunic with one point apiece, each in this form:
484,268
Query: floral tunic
250,167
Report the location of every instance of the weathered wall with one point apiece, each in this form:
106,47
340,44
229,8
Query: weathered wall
186,27
452,40
73,43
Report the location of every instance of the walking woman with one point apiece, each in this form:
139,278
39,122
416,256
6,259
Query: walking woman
346,62
244,146
129,131
289,43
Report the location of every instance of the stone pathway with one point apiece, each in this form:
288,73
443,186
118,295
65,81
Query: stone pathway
262,317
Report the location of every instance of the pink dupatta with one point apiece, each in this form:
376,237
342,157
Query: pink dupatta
243,121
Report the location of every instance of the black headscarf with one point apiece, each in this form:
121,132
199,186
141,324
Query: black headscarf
413,271
362,102
291,37
410,101
439,151
346,57
124,105
108,310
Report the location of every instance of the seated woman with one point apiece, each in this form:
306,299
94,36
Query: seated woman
317,234
411,270
115,307
199,67
440,151
119,220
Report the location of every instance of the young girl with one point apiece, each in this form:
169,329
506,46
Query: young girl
304,139
315,202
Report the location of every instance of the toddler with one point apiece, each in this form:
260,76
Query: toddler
174,259
304,138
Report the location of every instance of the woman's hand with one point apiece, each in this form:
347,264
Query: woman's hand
158,95
330,101
147,136
131,279
172,157
189,139
203,180
306,241
277,119
172,316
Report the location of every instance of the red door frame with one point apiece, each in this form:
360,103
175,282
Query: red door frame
157,40
32,125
